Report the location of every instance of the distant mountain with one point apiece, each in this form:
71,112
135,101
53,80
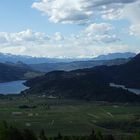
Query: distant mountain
93,83
48,67
37,60
12,72
34,60
111,56
19,64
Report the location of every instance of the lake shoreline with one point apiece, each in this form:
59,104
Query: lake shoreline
12,87
135,91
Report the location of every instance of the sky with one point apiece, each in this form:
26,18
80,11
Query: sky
69,28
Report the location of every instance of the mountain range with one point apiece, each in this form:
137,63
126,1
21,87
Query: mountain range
68,66
91,83
6,57
13,69
111,56
37,60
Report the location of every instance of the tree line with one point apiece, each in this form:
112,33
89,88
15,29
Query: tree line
8,132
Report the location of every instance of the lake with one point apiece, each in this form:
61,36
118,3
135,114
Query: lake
136,91
14,87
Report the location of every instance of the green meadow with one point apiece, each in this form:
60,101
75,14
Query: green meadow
71,117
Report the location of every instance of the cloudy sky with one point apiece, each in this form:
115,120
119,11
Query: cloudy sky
69,28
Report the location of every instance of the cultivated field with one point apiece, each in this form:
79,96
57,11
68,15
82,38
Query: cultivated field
71,117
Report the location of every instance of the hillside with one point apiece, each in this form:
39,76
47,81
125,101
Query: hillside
90,83
127,74
12,72
47,67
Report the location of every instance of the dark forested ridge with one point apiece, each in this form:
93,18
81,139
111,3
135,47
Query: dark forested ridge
127,74
91,83
11,72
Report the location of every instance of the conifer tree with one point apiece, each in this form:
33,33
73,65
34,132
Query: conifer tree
42,135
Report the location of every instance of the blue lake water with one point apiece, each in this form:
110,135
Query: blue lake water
14,87
136,91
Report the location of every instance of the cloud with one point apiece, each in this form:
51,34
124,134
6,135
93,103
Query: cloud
81,11
22,37
101,28
33,43
106,38
112,12
64,11
134,30
101,32
131,12
58,36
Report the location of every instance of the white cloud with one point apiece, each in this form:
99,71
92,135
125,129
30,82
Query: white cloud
80,11
22,37
89,11
106,38
100,32
33,43
98,28
58,36
19,50
131,12
95,39
112,12
65,11
135,30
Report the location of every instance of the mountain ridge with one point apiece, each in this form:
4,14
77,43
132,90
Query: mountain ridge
110,56
47,67
36,60
13,72
92,83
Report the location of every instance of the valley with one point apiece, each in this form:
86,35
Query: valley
71,117
69,70
73,102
